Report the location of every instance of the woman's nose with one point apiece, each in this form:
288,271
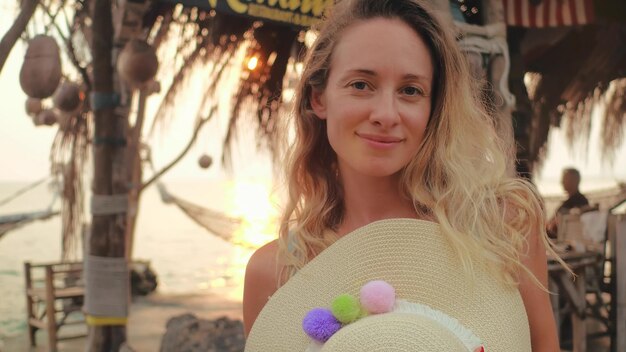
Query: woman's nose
385,110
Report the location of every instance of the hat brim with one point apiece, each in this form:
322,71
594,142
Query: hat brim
413,256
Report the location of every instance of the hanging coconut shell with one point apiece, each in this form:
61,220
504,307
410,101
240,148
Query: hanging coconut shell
205,161
137,64
46,117
41,71
33,106
68,97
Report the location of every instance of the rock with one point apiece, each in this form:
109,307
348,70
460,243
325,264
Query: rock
126,348
187,333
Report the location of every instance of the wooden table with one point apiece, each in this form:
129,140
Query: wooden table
573,290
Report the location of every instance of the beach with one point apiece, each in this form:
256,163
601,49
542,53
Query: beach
147,321
197,271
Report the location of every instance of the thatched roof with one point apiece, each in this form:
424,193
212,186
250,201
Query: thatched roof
576,69
574,66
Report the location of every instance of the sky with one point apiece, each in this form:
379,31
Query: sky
24,148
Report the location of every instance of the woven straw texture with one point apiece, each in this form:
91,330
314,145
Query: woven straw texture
401,331
415,259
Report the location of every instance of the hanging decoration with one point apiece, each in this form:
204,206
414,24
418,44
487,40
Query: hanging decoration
46,117
41,71
137,64
68,97
205,161
33,106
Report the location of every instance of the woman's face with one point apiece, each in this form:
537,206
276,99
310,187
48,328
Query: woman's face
377,99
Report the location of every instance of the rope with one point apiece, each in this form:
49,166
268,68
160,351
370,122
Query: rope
23,190
102,100
217,223
106,290
109,204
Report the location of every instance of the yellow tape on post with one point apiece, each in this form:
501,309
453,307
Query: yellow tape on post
102,321
106,291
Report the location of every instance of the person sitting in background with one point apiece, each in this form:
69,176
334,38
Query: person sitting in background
570,181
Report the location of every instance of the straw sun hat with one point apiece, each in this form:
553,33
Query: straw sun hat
407,265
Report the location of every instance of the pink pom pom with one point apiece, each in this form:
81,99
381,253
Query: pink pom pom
378,297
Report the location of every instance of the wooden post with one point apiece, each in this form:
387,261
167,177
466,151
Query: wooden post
620,285
579,328
109,177
50,310
493,13
29,302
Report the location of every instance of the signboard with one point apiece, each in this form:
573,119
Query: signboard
300,13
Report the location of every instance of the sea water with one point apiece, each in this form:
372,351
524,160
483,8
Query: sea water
186,257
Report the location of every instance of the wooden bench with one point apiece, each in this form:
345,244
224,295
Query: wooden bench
53,292
56,290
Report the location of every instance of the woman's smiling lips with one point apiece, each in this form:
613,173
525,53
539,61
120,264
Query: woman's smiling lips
379,141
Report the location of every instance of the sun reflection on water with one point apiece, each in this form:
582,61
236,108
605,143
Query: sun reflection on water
256,205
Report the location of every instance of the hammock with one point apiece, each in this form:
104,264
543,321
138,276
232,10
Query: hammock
12,222
218,224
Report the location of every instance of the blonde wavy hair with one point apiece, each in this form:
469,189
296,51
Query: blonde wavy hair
458,177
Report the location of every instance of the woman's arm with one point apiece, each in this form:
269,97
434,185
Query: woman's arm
261,281
543,332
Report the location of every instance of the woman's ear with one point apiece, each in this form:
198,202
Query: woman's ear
318,103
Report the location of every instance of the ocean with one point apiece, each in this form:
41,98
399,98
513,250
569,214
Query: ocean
186,257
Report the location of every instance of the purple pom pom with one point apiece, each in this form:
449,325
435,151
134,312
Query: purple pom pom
320,324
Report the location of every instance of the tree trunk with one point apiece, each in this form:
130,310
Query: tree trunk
109,177
16,30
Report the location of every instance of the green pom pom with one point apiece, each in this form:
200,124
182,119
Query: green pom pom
346,308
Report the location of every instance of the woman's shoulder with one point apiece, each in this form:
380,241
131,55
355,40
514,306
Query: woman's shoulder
263,261
261,282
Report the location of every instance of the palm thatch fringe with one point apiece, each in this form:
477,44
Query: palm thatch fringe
205,40
68,156
615,118
563,88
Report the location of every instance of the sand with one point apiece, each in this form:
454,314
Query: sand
147,321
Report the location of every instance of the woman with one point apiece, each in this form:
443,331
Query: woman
389,125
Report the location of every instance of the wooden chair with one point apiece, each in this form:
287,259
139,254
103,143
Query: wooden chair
587,232
53,292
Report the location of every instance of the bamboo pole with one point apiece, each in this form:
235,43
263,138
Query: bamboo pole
135,173
109,178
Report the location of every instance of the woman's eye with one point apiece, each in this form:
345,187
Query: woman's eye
412,91
359,85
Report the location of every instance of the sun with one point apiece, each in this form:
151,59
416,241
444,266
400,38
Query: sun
254,203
